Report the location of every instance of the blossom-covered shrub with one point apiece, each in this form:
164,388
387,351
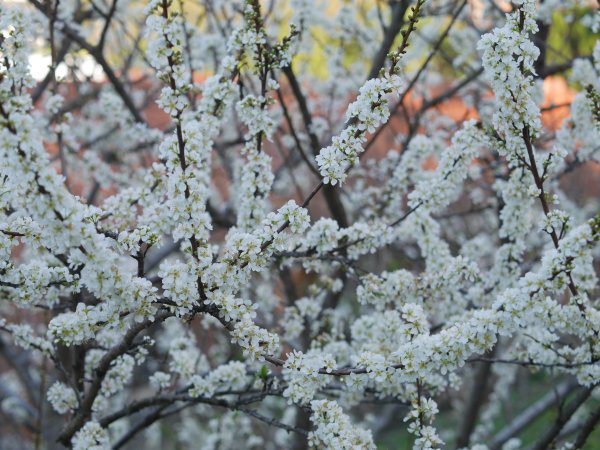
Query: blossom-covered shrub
298,224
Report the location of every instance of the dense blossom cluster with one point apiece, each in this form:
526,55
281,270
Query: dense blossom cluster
252,263
333,428
91,437
365,114
508,57
62,398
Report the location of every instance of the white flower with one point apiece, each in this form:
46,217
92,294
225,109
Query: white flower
62,398
333,429
365,114
91,437
160,380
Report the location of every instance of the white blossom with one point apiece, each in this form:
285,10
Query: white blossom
62,398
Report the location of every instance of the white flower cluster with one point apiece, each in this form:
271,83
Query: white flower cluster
246,250
301,371
36,279
248,38
390,287
117,376
294,216
62,398
423,412
184,357
406,171
304,310
187,151
230,307
65,226
255,341
323,236
367,237
364,115
165,54
361,238
581,131
375,365
374,337
14,26
25,337
131,240
516,214
444,186
91,437
333,429
515,307
390,306
245,253
508,57
255,171
256,178
75,327
230,376
253,112
180,285
160,380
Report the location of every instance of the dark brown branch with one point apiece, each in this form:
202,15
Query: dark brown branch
587,428
477,398
539,183
415,78
97,54
103,367
331,195
564,416
108,20
526,417
399,9
273,422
